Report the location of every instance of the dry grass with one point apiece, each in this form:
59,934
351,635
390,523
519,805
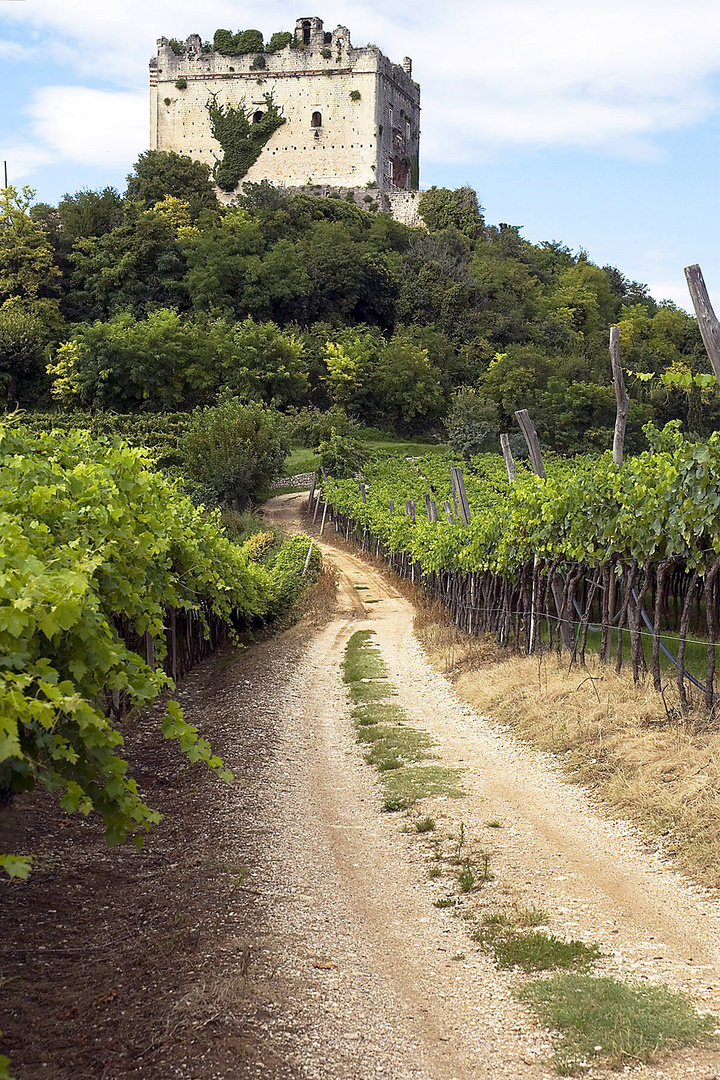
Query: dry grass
628,742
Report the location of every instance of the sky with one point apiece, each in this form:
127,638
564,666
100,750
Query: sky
589,122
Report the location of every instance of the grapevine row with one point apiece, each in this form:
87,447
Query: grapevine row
591,550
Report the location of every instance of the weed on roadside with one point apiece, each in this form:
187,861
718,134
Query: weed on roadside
533,916
414,782
425,824
608,1022
466,877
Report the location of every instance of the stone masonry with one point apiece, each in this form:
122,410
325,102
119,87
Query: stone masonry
352,118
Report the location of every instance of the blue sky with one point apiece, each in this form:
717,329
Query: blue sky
591,122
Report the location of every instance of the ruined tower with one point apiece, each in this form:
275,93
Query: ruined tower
351,117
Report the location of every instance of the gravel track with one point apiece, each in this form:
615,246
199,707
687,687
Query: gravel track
284,928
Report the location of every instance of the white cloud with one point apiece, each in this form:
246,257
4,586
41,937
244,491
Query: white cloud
99,128
676,291
609,74
91,127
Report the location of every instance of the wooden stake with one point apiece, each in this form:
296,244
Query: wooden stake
459,489
621,396
322,526
707,320
448,511
509,461
307,558
533,443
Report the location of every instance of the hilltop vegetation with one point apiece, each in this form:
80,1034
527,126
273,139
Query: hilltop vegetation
160,299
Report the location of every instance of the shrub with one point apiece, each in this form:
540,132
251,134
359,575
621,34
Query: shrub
236,449
181,84
341,456
355,95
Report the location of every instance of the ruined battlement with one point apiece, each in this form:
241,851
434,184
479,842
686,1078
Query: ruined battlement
351,116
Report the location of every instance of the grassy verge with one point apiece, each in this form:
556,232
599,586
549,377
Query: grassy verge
398,750
608,1022
642,758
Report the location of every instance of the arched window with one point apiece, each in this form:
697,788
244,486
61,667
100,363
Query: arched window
306,32
257,117
316,121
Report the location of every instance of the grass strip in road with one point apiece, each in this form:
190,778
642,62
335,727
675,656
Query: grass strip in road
378,713
530,950
607,1022
396,748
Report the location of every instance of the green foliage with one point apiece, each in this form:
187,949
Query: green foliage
242,141
665,502
473,424
125,362
89,536
158,173
236,449
355,95
161,435
23,342
90,213
612,1023
267,365
27,265
244,41
181,84
441,208
279,41
138,266
92,539
341,455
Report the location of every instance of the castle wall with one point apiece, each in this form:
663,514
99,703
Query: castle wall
359,143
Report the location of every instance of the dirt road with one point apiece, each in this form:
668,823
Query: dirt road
285,928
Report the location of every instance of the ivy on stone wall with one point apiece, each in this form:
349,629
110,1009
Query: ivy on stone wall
241,139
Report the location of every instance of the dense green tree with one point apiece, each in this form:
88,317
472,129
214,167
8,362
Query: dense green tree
161,362
235,449
27,263
158,173
23,341
441,208
408,390
473,424
137,266
266,365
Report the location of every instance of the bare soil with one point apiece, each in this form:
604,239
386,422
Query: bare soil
284,927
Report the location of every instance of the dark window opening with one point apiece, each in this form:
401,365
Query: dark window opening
257,117
306,32
316,121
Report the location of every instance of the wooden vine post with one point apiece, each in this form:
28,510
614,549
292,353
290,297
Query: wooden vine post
706,317
621,396
459,493
509,460
533,443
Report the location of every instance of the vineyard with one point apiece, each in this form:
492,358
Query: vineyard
624,559
113,585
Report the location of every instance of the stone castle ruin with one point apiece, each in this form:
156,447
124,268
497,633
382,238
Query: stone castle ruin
315,113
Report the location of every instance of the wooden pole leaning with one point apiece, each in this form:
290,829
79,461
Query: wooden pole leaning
707,320
533,443
509,460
